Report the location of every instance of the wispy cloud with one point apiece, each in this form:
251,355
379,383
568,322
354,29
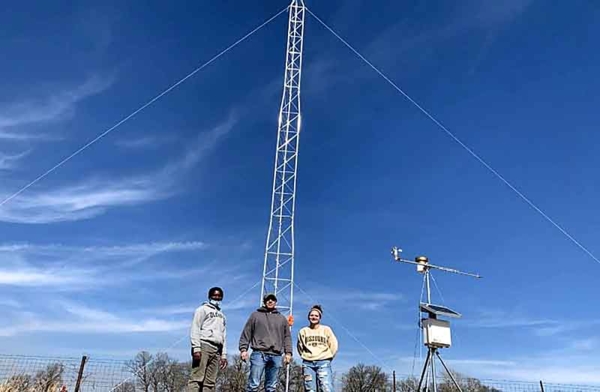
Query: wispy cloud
204,143
96,24
95,196
488,13
62,278
566,326
551,366
9,161
74,268
472,14
481,362
144,142
173,309
566,369
503,319
78,318
365,300
404,44
43,277
241,304
69,279
579,372
81,201
106,256
530,368
137,250
558,329
56,106
491,17
10,303
585,344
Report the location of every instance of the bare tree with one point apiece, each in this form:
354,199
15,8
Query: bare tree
158,373
409,384
127,386
156,370
50,379
296,381
467,384
139,366
234,377
173,375
363,378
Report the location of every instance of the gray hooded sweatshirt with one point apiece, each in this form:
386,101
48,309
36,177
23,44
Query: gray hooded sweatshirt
209,326
267,331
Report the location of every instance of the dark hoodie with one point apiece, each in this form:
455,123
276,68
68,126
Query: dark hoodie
267,331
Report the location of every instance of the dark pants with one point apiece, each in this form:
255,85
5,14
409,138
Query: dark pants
204,371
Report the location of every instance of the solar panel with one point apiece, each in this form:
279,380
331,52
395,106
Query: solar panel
438,310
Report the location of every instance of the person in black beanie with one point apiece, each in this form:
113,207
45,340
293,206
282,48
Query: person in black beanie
268,334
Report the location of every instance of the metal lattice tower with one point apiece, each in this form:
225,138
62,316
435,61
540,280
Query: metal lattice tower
278,272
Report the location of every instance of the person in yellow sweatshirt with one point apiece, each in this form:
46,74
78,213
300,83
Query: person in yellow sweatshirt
317,345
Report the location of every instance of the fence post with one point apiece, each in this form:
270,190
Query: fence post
80,374
394,380
541,385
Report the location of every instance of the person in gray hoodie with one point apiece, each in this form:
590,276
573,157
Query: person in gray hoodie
208,337
268,334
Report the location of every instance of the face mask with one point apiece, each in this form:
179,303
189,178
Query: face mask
214,302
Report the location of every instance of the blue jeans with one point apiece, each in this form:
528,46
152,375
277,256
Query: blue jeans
317,373
260,363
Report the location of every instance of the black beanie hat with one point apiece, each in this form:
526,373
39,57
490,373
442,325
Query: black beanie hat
269,296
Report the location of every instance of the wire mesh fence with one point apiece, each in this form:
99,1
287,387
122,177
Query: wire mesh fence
409,383
536,386
61,374
159,372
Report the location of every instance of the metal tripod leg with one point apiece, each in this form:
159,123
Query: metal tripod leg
429,356
433,382
448,371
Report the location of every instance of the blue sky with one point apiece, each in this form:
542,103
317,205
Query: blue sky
111,253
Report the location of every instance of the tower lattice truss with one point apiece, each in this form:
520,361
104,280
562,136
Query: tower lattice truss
278,273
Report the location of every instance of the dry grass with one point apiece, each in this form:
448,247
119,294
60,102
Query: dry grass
16,386
49,380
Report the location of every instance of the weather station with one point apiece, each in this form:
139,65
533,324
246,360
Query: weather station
435,331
